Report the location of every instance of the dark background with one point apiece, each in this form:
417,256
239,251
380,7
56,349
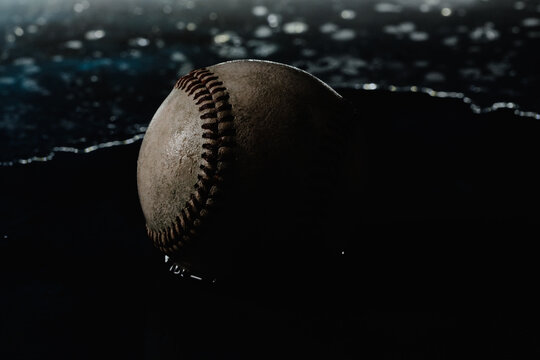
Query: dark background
441,263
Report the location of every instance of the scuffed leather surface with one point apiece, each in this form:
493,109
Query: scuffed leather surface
291,149
169,159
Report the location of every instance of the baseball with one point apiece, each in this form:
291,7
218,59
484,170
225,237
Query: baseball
244,154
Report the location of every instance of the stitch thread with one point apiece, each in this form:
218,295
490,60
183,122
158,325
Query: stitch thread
216,154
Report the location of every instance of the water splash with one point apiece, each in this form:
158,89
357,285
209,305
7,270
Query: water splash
184,271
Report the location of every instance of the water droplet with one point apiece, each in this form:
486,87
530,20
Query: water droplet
273,20
178,56
308,52
446,12
74,44
263,32
140,41
531,22
424,8
328,28
222,38
403,28
259,10
95,34
344,35
485,32
387,8
79,7
295,27
348,14
191,26
519,5
18,31
418,36
451,41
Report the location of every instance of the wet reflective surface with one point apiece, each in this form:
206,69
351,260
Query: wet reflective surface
80,73
441,261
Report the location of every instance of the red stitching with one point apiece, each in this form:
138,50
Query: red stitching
197,87
218,135
216,90
208,106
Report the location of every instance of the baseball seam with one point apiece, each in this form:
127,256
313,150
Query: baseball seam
212,97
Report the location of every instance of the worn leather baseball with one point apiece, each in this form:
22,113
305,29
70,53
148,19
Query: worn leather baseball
244,155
